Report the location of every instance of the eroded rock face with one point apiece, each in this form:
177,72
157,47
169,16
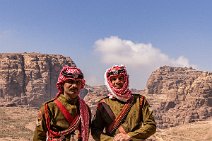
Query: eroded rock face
180,95
29,78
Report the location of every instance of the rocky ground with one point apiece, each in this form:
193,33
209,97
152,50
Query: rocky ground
197,131
17,124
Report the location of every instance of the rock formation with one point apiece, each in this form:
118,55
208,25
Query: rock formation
180,95
29,78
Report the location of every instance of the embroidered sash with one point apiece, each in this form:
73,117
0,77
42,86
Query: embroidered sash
116,122
65,112
74,124
122,115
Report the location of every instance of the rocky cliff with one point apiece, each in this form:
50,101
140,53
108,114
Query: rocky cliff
29,78
180,95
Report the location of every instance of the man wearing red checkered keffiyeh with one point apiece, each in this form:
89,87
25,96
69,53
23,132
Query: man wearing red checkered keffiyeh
123,93
67,116
69,73
122,116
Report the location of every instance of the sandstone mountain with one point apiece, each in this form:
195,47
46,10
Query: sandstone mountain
180,95
29,78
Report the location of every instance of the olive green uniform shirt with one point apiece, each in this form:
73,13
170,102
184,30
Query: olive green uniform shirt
58,121
138,124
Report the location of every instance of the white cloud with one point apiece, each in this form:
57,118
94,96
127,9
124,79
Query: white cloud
141,59
115,50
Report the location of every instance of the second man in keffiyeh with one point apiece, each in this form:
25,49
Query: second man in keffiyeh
122,116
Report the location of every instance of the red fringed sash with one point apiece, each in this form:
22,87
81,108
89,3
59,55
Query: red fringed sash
73,121
117,122
65,112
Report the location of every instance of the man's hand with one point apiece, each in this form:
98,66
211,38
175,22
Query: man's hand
121,137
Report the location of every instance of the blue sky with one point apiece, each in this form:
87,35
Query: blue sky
96,34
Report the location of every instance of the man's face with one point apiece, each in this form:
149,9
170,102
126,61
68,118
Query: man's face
72,88
117,81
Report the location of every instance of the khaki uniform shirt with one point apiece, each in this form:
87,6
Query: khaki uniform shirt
58,121
139,123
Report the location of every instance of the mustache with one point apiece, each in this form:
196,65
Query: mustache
73,88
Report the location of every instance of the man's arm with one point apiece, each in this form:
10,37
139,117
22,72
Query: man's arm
97,127
148,127
40,129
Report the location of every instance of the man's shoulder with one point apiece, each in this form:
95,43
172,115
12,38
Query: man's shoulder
103,99
49,103
137,95
42,108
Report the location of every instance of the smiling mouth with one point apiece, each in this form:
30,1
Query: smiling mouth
118,86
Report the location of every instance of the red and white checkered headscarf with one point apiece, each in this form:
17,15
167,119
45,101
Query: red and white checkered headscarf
75,73
123,93
66,73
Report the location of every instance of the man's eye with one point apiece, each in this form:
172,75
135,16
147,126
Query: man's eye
113,79
78,82
121,78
